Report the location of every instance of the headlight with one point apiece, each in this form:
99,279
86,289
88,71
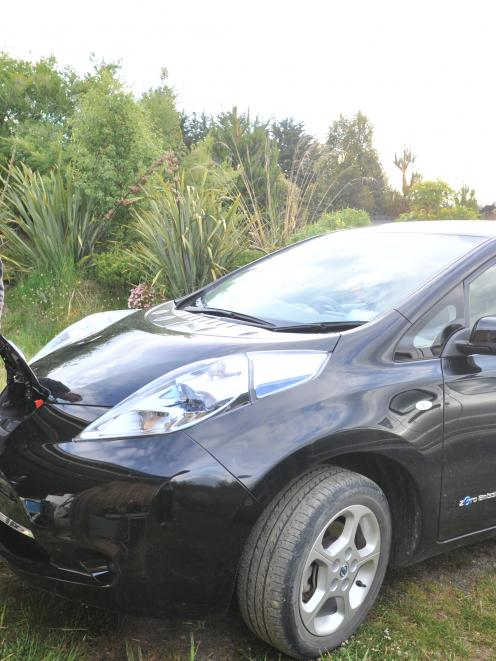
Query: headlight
81,329
198,391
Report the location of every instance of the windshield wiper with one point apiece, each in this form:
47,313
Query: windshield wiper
230,314
319,327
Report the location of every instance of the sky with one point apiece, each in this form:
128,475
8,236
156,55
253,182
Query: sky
423,71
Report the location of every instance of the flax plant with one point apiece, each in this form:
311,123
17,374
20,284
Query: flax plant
187,235
46,223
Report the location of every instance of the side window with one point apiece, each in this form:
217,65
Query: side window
426,338
482,295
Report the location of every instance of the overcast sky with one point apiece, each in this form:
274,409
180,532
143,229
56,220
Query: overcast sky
423,71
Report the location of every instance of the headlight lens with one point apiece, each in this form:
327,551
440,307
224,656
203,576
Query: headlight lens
198,391
81,329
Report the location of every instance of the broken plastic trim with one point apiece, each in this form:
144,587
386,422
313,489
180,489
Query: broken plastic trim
22,384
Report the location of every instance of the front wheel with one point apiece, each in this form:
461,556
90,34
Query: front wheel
315,561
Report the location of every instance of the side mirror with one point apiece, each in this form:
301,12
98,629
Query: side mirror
482,339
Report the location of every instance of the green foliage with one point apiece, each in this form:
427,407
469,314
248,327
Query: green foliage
39,145
195,127
117,268
436,200
349,173
43,303
330,222
160,106
112,141
199,168
35,101
246,257
403,162
466,198
245,145
298,151
187,235
430,196
46,223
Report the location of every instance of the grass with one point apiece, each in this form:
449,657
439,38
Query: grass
43,305
441,610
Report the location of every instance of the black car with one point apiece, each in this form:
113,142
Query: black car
283,434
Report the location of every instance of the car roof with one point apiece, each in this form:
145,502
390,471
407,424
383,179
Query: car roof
482,228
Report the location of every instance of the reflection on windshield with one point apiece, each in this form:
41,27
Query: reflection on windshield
353,275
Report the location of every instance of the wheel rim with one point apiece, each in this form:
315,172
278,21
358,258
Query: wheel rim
340,570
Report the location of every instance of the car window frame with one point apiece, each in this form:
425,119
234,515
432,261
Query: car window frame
459,285
464,283
468,281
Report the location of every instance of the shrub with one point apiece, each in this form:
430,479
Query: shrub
246,257
47,223
444,213
329,222
187,235
117,268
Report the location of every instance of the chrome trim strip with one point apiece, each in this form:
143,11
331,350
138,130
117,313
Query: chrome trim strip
16,526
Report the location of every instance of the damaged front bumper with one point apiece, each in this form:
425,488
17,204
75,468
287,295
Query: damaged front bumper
150,526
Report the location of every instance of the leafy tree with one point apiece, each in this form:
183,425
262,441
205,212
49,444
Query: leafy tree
35,102
430,196
298,151
436,200
160,105
195,128
352,164
112,140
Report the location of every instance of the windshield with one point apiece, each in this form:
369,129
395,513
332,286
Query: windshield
348,276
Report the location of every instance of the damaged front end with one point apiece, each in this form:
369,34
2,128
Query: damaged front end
135,525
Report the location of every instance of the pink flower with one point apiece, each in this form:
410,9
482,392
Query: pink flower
142,296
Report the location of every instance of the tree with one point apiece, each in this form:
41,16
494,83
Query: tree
35,102
112,140
403,161
436,200
195,128
160,105
298,151
349,172
466,198
430,196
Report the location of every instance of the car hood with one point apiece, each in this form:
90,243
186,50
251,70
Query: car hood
104,368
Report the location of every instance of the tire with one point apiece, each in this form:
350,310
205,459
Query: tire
306,579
